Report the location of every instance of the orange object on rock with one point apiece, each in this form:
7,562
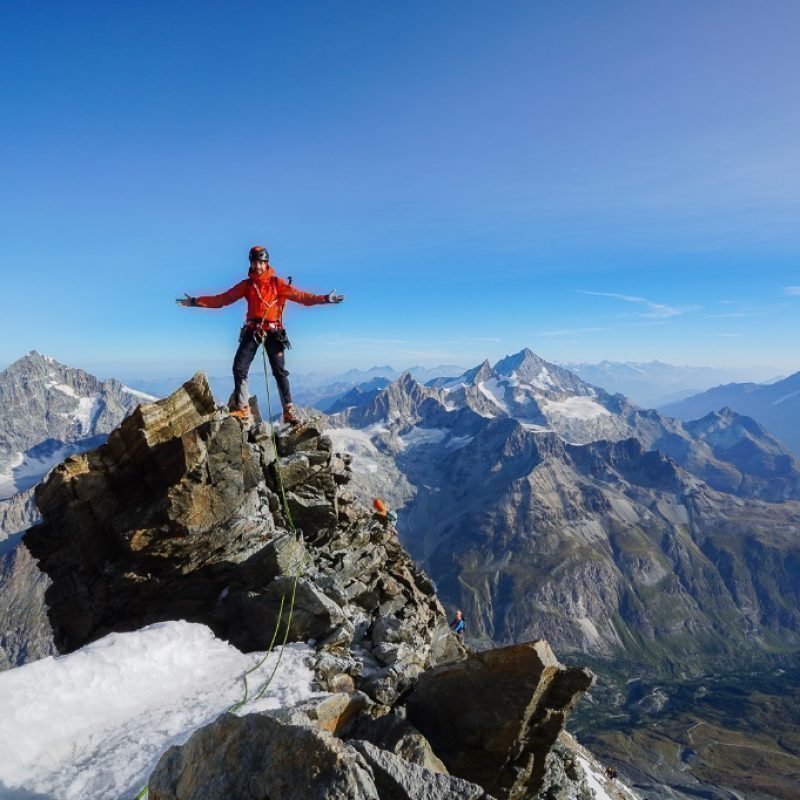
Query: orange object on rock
380,506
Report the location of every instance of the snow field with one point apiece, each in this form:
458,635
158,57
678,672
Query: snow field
93,724
577,407
25,471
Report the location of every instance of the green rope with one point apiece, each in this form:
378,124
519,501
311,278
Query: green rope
288,514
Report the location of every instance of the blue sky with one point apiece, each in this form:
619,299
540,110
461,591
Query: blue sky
591,179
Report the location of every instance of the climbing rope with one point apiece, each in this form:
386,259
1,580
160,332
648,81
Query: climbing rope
143,793
288,516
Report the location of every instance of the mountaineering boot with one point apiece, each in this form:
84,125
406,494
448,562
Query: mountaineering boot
242,414
289,416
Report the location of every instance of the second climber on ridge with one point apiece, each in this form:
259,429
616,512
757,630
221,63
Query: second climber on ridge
266,295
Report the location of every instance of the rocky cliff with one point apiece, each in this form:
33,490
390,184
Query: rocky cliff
185,514
49,411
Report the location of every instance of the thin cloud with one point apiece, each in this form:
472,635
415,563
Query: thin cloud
656,310
792,291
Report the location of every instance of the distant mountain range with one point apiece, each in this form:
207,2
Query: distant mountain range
647,384
776,406
652,384
316,390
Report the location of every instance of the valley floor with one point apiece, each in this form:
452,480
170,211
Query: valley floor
717,737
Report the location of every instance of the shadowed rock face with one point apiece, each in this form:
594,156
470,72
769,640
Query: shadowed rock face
25,634
493,718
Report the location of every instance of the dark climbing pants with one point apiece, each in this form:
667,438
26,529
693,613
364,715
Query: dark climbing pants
245,353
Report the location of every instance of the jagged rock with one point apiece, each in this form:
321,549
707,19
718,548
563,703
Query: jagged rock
334,713
51,412
392,733
292,754
26,634
18,513
400,780
260,612
493,718
563,777
388,684
179,515
257,757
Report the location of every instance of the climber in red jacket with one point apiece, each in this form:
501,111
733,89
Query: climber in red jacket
266,295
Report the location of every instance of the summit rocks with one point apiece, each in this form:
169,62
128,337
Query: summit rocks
181,514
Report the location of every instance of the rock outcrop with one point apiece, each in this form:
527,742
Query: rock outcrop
184,513
501,742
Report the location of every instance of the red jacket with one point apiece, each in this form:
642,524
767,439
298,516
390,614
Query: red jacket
266,296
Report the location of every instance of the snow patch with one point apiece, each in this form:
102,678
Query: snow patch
543,380
148,398
358,443
589,630
578,407
63,388
530,426
452,386
95,722
88,410
8,480
25,471
493,390
457,442
595,780
421,436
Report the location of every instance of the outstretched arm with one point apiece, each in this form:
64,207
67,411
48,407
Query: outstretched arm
307,298
215,300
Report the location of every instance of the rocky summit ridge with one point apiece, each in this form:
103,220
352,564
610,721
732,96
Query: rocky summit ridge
184,513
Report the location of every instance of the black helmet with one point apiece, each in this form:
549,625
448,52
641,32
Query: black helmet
259,253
